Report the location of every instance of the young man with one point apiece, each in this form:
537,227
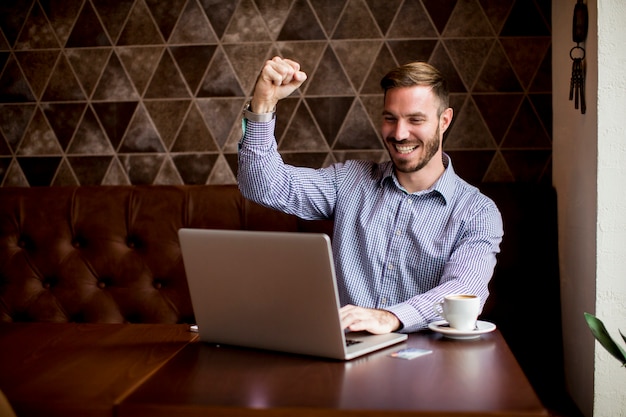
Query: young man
407,231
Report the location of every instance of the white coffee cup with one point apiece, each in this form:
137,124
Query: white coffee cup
459,310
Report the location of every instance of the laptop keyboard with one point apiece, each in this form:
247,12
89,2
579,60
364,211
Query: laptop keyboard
350,342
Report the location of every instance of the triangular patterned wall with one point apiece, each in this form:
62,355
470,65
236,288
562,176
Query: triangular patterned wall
151,91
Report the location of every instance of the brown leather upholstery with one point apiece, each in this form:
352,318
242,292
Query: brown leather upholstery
111,254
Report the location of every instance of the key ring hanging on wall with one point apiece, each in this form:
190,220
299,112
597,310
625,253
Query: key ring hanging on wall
580,24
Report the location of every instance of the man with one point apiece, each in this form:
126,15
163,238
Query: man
407,231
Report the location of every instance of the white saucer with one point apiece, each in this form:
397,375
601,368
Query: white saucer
442,327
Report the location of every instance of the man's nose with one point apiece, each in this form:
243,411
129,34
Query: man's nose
401,131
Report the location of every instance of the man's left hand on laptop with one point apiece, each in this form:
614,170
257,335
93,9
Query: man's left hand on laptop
368,319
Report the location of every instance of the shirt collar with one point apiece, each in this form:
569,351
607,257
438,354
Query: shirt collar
444,186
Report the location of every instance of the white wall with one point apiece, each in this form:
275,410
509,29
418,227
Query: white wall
590,177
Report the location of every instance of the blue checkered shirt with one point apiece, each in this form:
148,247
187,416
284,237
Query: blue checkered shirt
393,250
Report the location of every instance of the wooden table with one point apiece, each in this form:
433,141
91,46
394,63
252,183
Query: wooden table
81,369
459,378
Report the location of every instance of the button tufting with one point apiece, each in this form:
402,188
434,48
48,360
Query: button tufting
102,284
158,284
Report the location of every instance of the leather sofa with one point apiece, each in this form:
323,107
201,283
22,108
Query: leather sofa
111,254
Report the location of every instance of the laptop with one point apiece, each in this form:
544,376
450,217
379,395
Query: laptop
270,290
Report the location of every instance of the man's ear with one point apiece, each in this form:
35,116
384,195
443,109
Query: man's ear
445,119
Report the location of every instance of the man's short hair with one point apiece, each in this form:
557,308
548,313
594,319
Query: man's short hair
419,74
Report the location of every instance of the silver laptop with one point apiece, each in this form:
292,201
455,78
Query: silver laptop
270,290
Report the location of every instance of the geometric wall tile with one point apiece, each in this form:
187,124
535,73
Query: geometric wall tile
89,170
194,136
220,79
4,147
220,115
357,131
526,130
39,170
37,66
384,12
303,134
441,60
411,50
64,176
165,14
89,137
543,107
528,166
193,61
439,11
140,28
87,32
467,20
94,91
12,17
381,65
356,23
141,169
114,118
63,85
412,21
141,136
327,11
14,120
221,173
246,59
496,11
469,131
114,83
284,112
471,165
40,34
140,63
167,82
329,113
193,27
525,19
168,175
328,78
5,163
61,15
356,58
498,111
498,170
246,25
13,85
469,56
194,168
39,138
219,13
299,25
526,54
542,83
88,64
167,116
15,176
497,75
116,175
113,14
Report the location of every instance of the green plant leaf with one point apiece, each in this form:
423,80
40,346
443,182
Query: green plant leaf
602,336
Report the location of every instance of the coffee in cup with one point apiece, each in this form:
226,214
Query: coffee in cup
459,310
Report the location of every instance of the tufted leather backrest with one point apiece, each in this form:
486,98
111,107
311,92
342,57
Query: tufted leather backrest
111,253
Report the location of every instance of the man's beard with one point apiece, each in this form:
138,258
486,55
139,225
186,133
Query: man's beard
431,147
